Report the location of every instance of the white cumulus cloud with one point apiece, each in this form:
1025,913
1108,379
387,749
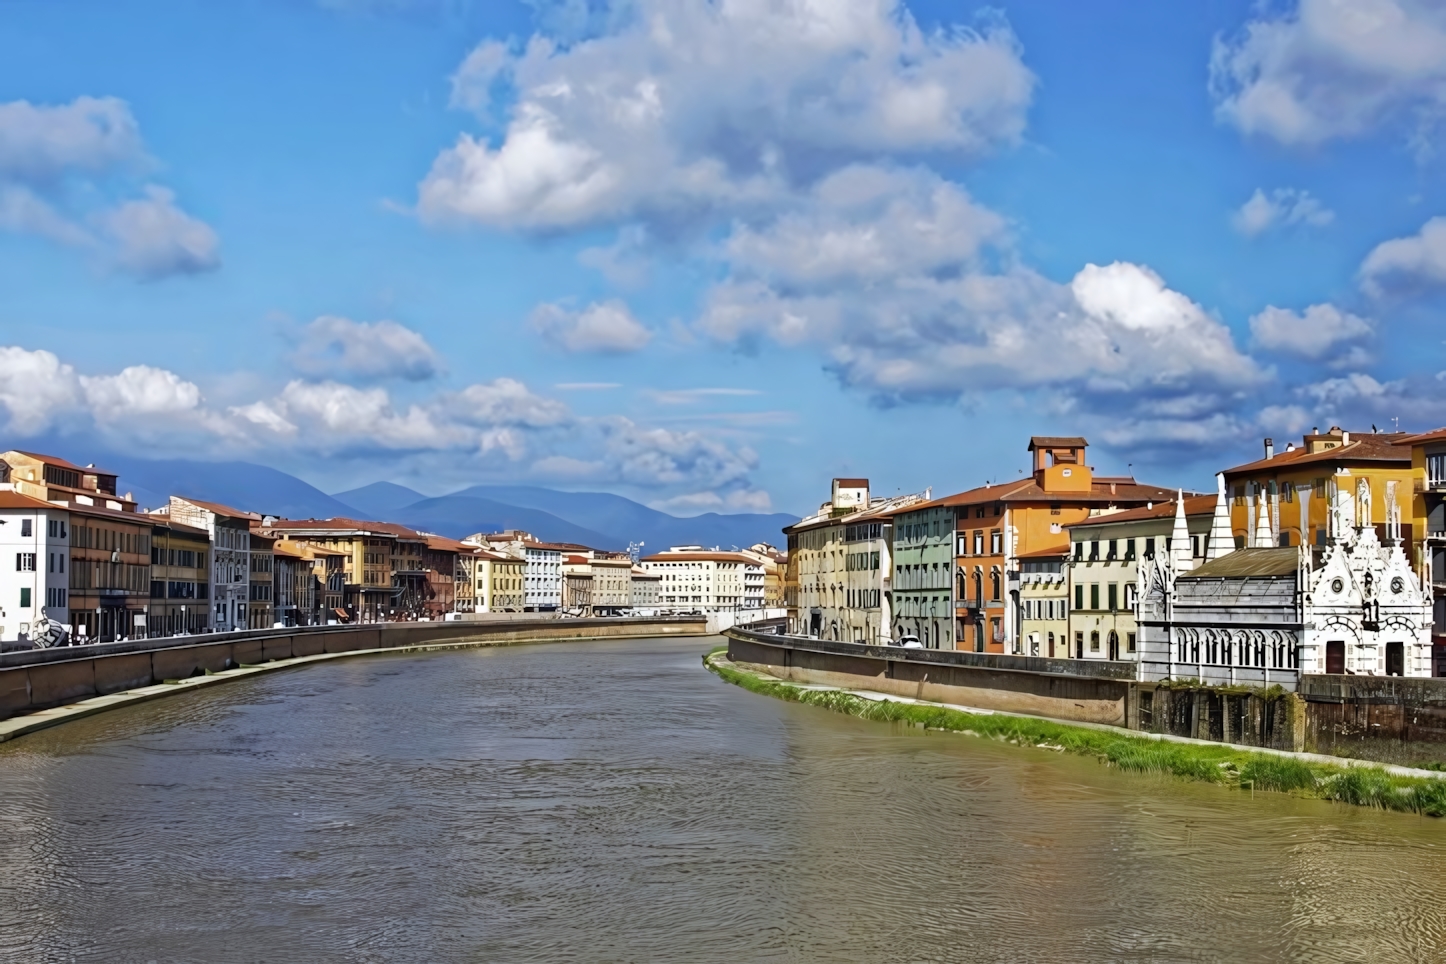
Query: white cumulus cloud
1283,206
1309,334
1323,69
501,426
1418,260
140,390
653,120
911,290
331,345
42,143
63,178
606,326
154,239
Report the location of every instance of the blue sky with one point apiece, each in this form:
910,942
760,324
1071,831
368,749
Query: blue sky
710,254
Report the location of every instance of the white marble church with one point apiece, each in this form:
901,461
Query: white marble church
1262,617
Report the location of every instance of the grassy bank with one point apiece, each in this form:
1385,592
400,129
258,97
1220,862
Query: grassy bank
1361,786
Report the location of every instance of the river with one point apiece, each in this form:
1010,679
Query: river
613,801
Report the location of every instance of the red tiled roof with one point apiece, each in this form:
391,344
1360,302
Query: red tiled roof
1369,447
55,460
701,557
1028,490
340,522
1195,505
14,500
1437,435
220,509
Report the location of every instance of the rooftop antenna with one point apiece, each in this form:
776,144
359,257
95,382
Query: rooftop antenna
1396,422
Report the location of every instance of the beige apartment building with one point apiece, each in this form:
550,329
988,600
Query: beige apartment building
180,578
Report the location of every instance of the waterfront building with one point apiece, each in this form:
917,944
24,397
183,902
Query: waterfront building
261,588
1285,498
499,582
920,595
577,585
230,532
372,584
110,572
295,584
774,564
1104,564
440,562
839,566
1428,521
694,579
1264,616
646,592
1044,603
543,579
991,529
612,592
52,479
464,580
180,578
34,563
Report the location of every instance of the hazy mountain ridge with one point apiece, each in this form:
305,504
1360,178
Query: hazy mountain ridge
597,519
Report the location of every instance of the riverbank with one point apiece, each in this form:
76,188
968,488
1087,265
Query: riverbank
1299,774
17,726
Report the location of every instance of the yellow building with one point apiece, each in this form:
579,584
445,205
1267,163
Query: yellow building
1285,498
499,582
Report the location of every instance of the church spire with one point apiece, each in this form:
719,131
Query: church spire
1180,553
1222,540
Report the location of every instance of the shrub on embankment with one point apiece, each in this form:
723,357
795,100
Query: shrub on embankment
1357,785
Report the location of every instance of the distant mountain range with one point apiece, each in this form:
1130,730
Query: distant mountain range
592,518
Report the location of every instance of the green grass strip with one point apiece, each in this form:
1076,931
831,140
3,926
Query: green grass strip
1358,785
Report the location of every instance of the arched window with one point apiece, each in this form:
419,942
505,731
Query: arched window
994,584
978,585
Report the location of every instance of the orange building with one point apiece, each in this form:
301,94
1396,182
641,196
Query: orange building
995,526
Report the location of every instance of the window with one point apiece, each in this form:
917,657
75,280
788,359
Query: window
25,529
996,542
1195,547
1129,550
1129,595
1114,590
1095,550
1113,551
1129,642
1094,595
978,543
1079,644
1079,596
24,562
1150,548
1094,642
25,597
1079,552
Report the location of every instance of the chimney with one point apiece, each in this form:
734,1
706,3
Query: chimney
1269,448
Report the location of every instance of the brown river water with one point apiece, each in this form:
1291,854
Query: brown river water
614,801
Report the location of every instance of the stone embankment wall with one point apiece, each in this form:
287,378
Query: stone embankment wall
41,679
1391,719
1094,692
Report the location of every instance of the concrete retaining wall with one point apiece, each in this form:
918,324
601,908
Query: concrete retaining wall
41,679
922,674
1388,719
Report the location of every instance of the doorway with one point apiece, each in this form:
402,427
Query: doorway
1114,645
1335,657
1396,659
